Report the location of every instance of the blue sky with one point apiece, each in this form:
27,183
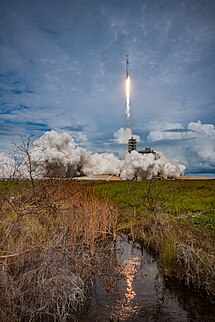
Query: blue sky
62,67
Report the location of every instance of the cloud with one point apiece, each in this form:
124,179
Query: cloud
207,129
81,138
161,126
194,129
123,135
169,135
7,166
194,146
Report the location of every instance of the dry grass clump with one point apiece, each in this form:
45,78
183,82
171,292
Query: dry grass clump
49,241
182,253
199,267
42,286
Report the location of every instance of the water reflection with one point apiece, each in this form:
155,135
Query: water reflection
127,305
131,267
140,294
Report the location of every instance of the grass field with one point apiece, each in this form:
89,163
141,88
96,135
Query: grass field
187,201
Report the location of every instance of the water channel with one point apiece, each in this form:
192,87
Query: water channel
141,293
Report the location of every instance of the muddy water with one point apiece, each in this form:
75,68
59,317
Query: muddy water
141,294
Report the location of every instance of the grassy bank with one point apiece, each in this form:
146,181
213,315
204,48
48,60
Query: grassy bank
174,218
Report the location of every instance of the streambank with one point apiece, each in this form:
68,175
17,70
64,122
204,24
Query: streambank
175,219
141,293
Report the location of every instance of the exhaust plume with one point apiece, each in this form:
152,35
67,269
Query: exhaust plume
127,91
56,155
127,108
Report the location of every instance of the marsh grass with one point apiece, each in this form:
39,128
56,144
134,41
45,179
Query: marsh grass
50,238
176,219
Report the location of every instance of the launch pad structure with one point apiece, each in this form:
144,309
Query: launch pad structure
132,144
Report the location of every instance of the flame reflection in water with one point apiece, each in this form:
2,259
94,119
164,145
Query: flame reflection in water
127,306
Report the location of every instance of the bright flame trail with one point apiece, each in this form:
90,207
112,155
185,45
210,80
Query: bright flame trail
128,108
127,84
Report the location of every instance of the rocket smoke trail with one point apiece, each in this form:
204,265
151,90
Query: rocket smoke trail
127,84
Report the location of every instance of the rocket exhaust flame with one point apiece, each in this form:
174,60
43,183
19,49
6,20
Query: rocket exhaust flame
127,108
127,86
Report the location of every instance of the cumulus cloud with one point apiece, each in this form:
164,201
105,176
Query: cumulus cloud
162,126
169,135
80,138
123,135
195,144
194,129
207,129
204,145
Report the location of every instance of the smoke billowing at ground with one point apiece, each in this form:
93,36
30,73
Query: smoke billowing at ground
56,155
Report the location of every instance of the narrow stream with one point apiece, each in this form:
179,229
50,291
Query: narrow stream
141,294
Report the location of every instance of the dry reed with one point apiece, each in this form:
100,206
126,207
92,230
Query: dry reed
50,238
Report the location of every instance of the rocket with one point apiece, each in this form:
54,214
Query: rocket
127,67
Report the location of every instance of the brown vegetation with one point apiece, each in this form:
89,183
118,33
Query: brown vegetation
49,238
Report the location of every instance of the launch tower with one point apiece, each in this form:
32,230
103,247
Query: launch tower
132,144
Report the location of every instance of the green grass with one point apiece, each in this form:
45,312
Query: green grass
177,198
14,186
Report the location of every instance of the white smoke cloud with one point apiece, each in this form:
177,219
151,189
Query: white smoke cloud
104,163
57,155
146,166
7,166
123,135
